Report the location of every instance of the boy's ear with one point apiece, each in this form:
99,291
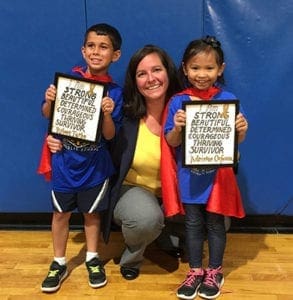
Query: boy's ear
116,55
82,51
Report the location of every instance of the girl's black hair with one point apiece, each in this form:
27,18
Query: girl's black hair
206,44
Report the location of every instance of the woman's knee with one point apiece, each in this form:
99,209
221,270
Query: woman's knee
142,229
138,208
148,224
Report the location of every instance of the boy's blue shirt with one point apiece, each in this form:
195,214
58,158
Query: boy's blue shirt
81,166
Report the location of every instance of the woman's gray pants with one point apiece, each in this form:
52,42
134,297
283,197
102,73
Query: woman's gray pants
140,216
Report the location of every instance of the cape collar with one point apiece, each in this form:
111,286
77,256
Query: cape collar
202,94
101,78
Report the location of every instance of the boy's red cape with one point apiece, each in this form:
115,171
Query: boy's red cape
44,167
225,198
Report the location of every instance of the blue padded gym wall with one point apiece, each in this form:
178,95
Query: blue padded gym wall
46,36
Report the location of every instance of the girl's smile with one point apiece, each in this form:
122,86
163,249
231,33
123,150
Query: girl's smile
202,70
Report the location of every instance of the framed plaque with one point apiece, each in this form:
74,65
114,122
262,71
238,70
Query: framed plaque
209,137
76,111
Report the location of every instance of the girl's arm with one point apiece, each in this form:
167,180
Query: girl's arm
174,137
241,125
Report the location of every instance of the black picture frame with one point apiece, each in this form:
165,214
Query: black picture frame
210,137
76,111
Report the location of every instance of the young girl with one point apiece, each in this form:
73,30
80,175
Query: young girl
202,72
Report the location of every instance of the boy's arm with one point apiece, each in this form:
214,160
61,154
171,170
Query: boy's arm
108,126
46,109
50,96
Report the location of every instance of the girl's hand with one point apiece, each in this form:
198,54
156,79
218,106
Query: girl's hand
174,136
50,93
241,126
179,120
108,105
54,144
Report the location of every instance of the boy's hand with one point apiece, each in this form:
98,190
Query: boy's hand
54,144
108,105
50,96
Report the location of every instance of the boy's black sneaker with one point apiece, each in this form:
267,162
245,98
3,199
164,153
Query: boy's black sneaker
188,288
97,275
56,275
212,283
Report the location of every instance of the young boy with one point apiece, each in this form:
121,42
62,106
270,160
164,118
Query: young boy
80,171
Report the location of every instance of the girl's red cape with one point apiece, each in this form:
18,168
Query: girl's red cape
225,197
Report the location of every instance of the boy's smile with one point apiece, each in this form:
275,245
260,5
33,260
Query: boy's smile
98,53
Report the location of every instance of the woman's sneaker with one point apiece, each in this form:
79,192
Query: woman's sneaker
188,288
56,275
212,283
